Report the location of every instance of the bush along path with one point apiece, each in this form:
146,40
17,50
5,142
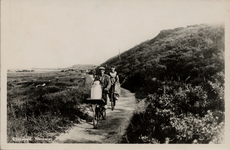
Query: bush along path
184,116
109,130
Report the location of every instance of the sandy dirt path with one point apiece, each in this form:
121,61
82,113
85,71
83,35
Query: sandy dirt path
109,130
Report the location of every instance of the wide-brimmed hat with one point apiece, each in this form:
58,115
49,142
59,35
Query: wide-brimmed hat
101,68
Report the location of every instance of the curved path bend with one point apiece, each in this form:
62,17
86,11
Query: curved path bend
109,130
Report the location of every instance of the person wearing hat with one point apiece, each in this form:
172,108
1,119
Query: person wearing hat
105,83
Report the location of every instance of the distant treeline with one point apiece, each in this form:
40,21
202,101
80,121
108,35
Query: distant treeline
20,70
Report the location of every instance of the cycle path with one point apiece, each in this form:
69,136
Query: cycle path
109,130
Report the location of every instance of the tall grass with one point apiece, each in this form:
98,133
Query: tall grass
42,112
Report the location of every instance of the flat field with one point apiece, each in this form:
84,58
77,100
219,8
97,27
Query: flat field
40,105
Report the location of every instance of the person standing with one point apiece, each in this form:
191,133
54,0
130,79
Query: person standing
115,83
105,83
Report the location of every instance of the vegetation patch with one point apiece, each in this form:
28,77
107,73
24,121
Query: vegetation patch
181,74
41,108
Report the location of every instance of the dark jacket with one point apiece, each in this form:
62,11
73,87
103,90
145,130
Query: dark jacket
105,81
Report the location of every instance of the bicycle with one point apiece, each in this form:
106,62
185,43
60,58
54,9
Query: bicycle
99,111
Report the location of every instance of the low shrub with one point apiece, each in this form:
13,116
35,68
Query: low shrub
178,116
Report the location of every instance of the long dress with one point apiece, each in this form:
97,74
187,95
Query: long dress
114,82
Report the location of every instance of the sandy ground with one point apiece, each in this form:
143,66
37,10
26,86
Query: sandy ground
109,130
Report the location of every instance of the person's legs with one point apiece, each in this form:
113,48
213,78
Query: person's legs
104,96
111,91
110,94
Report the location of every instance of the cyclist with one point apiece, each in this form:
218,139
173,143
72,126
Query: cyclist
105,82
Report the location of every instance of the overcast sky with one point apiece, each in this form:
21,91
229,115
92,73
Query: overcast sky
61,33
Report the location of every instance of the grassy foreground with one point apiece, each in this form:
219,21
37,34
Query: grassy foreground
40,105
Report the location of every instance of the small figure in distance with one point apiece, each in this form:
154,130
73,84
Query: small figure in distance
92,74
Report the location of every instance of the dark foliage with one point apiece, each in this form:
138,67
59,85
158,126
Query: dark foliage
183,69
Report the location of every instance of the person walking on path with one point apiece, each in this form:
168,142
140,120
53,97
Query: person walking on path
114,92
105,83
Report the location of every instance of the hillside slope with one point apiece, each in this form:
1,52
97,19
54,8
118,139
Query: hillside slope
181,73
82,66
193,54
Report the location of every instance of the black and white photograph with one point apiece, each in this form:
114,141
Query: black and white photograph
84,73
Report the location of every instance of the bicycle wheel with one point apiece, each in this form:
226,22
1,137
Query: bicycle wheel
114,101
95,117
103,113
95,122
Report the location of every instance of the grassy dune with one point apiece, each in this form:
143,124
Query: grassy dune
181,74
